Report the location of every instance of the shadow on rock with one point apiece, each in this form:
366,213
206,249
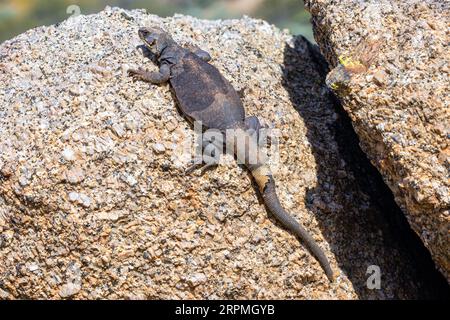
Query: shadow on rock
356,211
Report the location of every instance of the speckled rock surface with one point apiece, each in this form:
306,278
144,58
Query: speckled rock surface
94,202
398,99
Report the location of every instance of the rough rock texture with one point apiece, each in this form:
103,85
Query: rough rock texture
397,94
94,202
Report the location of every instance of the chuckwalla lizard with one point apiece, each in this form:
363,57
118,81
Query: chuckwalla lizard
204,95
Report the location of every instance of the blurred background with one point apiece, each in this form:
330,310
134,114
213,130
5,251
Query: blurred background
17,16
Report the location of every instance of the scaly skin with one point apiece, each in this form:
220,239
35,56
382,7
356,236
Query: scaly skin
203,94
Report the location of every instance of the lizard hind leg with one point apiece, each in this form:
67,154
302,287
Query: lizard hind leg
199,162
203,162
208,158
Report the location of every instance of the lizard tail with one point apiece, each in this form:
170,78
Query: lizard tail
266,185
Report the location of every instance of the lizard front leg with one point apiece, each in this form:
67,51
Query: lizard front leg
153,77
207,160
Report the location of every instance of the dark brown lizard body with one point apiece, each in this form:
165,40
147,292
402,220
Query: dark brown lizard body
204,95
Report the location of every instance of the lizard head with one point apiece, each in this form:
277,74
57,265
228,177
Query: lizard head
155,39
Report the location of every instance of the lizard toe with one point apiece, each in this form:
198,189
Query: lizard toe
194,163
